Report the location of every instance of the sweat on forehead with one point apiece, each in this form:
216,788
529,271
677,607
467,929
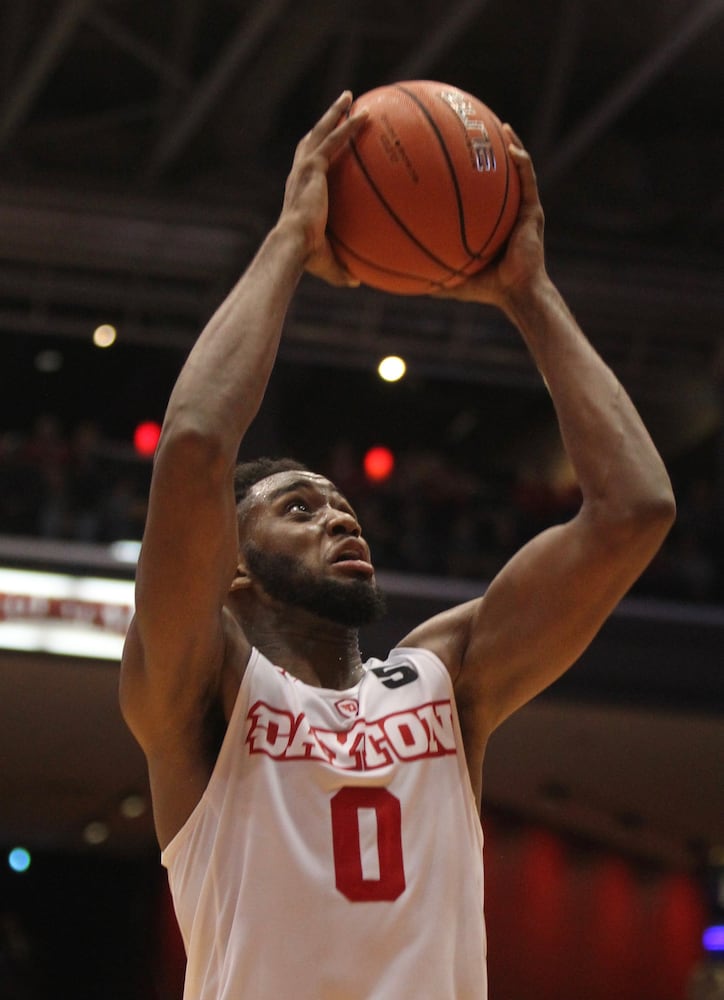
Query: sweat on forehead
268,489
246,474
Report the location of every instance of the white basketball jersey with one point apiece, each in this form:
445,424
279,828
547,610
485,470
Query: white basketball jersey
337,852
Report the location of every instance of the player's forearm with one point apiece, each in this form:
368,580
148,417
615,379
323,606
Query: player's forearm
223,381
612,453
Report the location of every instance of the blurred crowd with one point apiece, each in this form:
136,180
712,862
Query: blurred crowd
75,486
428,517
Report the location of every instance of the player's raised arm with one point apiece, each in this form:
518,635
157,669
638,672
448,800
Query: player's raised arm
176,644
549,601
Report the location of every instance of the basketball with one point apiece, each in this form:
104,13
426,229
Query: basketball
425,194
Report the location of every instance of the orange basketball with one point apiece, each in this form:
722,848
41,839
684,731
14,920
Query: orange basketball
426,194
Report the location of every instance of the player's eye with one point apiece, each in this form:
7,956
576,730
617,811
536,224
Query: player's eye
297,506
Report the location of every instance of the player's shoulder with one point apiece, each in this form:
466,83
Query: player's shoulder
446,635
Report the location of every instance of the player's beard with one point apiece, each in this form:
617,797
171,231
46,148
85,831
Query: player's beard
351,603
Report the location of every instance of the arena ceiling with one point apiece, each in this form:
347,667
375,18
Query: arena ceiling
143,149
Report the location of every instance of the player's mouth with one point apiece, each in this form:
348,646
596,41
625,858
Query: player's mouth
352,557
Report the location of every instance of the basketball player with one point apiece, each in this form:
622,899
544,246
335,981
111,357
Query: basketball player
319,815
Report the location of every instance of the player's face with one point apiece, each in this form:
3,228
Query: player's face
302,542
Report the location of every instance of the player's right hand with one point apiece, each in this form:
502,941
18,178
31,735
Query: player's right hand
306,192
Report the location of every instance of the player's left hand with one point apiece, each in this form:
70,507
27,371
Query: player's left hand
522,261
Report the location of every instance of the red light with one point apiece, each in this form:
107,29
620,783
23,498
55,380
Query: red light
378,463
145,437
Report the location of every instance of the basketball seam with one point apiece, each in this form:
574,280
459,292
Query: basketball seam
473,254
504,201
373,265
451,168
452,271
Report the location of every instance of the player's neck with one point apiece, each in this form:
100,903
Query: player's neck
316,651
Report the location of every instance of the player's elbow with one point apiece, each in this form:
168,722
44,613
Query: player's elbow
655,520
655,511
642,522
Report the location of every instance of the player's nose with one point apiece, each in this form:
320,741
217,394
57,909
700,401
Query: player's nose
342,522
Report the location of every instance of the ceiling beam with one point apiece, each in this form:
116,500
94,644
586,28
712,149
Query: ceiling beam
145,54
15,27
289,54
633,84
673,344
191,116
43,60
182,43
552,95
444,34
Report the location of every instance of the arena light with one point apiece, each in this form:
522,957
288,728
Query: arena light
59,640
65,586
126,550
19,859
378,463
96,832
48,361
63,614
713,939
391,368
145,438
104,335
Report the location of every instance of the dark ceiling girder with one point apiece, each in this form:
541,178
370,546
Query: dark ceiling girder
191,116
46,55
417,64
628,89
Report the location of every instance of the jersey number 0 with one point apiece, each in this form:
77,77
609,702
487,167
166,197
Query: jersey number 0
367,872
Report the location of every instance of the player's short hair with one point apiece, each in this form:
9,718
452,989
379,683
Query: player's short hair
247,474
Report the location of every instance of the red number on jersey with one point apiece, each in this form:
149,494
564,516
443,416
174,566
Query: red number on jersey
379,874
